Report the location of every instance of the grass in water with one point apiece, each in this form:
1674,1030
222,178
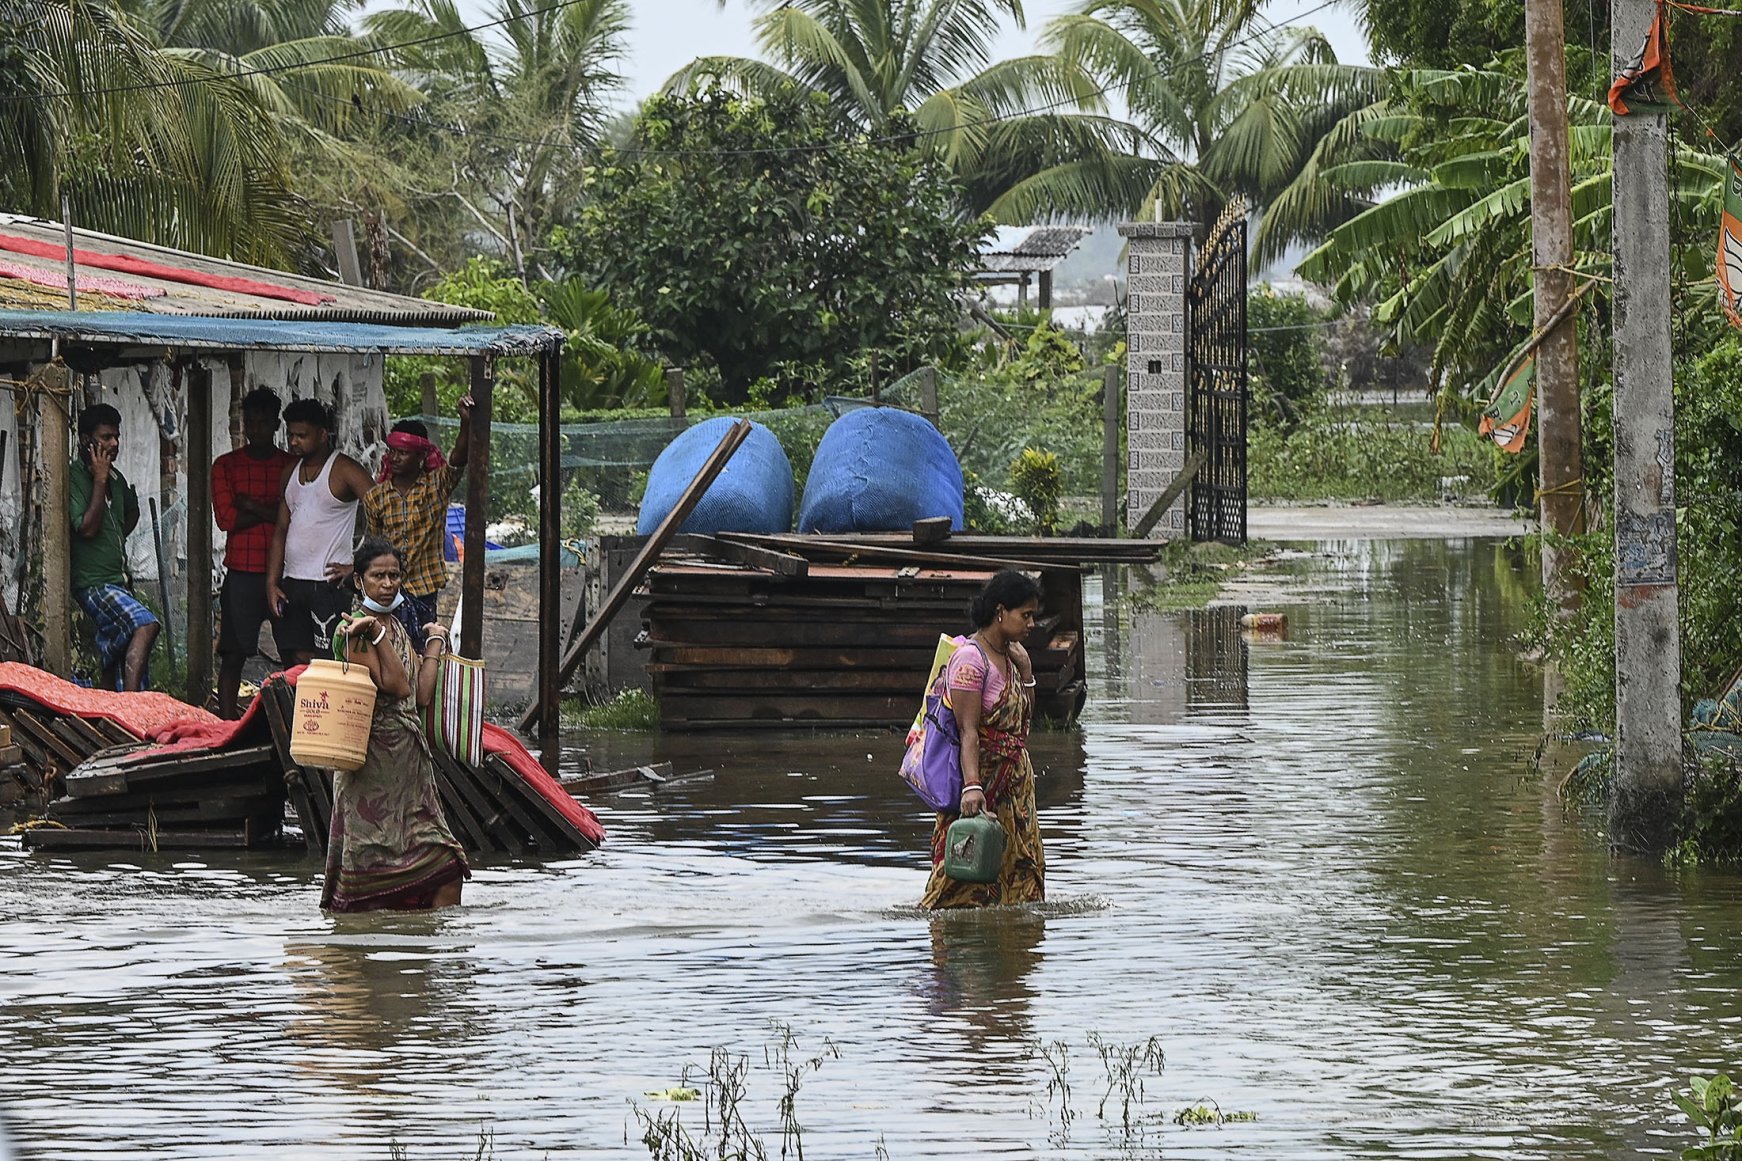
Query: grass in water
1195,573
632,710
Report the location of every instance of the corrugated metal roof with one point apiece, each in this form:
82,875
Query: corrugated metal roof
121,274
1029,249
195,333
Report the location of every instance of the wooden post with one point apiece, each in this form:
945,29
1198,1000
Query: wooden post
624,585
53,398
198,458
1645,794
674,396
1043,298
550,491
928,393
345,251
1112,407
477,508
1558,423
876,387
430,402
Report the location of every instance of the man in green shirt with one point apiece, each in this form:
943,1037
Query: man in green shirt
104,508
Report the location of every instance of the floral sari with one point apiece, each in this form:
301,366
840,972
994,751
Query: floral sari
1008,777
390,849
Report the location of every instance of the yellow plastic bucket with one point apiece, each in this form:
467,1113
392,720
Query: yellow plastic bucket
335,704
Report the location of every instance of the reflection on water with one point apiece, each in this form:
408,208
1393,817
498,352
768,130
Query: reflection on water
1317,867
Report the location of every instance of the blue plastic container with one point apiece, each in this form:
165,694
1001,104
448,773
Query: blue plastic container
752,494
878,470
457,527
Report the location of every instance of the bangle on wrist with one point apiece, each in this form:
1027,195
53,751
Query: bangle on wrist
379,633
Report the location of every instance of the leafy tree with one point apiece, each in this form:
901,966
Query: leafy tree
1282,355
509,126
751,235
890,64
144,141
1247,102
1447,261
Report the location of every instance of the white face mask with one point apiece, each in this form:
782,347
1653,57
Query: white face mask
375,606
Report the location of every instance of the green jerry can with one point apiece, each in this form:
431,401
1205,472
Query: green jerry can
974,849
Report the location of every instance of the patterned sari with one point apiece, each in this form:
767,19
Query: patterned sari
390,848
1008,776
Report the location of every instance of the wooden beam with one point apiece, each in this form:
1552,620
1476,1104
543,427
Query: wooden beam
637,568
550,493
477,508
197,455
779,563
1164,501
53,395
848,550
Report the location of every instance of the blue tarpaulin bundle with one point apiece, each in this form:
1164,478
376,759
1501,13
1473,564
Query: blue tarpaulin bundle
752,494
878,470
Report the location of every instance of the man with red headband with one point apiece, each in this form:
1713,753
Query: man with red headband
409,508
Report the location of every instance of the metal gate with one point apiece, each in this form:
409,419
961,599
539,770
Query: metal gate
1216,382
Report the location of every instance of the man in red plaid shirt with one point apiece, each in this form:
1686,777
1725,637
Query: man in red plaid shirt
247,485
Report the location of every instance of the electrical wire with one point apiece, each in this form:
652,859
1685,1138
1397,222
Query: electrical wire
598,150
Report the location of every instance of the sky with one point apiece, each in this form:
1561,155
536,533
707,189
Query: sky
668,34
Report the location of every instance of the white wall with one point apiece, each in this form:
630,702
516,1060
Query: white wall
153,408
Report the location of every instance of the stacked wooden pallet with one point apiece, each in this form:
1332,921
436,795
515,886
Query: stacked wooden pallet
51,743
174,800
489,807
778,631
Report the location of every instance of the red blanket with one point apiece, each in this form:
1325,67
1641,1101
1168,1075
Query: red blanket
158,717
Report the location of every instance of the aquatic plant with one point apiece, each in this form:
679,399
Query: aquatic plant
631,711
1712,1104
1125,1066
1197,1115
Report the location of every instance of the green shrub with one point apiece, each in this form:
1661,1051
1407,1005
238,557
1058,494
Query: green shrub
1349,453
1038,482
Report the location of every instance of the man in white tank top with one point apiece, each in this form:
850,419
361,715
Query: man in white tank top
308,568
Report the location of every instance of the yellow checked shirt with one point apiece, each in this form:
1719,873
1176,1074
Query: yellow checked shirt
416,522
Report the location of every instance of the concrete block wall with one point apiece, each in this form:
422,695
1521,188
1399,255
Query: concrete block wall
1157,264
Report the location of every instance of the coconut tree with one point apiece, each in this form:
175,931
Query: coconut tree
137,140
1242,102
927,64
1447,259
510,122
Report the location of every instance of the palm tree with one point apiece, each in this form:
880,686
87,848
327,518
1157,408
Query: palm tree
927,63
139,141
1246,101
510,123
1447,259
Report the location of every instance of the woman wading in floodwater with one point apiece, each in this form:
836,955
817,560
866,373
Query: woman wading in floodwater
989,686
390,849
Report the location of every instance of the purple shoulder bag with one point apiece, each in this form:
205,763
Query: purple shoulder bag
932,765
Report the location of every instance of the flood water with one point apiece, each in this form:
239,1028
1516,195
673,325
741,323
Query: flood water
1319,872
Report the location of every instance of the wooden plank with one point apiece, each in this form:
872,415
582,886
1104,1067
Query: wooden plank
568,835
777,563
81,797
844,547
798,681
81,733
471,643
533,828
843,634
611,781
50,742
796,657
803,710
481,817
135,839
13,754
932,530
210,810
1171,493
631,578
196,453
1072,548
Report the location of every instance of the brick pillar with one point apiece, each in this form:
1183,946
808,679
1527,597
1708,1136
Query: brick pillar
1158,257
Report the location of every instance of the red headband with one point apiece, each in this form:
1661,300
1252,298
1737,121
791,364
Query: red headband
405,441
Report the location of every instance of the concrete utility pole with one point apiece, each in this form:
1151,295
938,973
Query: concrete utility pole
1648,745
1558,429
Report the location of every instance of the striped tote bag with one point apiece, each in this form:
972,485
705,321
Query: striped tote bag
454,718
